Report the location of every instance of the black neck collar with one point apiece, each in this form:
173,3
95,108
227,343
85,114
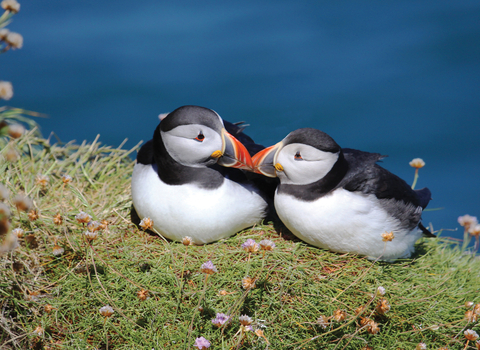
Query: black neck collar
173,173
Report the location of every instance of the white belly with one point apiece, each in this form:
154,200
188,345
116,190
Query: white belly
344,221
186,210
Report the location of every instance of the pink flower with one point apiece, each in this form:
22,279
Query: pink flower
106,311
146,223
6,89
245,320
421,346
266,244
220,320
187,240
66,178
474,230
10,5
470,335
417,163
15,131
250,246
208,268
57,250
83,217
467,221
201,343
15,40
93,226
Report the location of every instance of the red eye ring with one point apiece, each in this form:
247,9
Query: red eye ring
200,137
297,156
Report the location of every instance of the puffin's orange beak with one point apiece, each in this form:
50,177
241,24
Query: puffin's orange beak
264,161
234,154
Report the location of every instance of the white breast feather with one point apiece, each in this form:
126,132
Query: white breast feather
186,210
344,221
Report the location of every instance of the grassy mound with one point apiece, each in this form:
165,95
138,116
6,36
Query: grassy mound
54,284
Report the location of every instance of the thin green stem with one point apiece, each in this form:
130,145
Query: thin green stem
181,284
196,309
415,178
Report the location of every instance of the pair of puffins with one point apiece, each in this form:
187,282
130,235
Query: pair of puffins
199,177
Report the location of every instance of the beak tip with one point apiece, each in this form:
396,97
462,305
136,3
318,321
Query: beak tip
263,161
236,153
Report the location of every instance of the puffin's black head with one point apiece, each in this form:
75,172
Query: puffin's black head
304,156
187,115
195,136
312,137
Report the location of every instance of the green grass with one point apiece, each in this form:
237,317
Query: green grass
296,284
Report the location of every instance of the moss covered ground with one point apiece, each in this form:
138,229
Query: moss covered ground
54,283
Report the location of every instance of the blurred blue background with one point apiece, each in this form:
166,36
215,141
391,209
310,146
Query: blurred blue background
398,78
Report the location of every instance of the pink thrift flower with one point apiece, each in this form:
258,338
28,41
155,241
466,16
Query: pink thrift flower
201,343
250,246
208,268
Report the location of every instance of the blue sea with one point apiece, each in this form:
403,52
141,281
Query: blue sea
399,78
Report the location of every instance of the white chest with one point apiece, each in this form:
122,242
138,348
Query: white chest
186,210
344,221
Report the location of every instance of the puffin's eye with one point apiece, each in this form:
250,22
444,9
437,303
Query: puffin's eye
200,137
297,156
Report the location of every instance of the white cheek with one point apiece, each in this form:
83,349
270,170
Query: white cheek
302,172
293,171
187,151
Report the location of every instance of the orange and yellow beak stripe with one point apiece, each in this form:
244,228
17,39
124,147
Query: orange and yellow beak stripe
234,154
265,160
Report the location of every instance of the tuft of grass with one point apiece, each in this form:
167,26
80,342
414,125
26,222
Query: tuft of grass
162,300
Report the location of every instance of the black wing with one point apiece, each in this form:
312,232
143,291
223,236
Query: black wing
397,196
145,154
366,176
236,129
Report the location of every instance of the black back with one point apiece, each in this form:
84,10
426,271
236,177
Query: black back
357,171
236,129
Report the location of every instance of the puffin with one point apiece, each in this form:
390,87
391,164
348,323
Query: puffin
190,178
341,199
